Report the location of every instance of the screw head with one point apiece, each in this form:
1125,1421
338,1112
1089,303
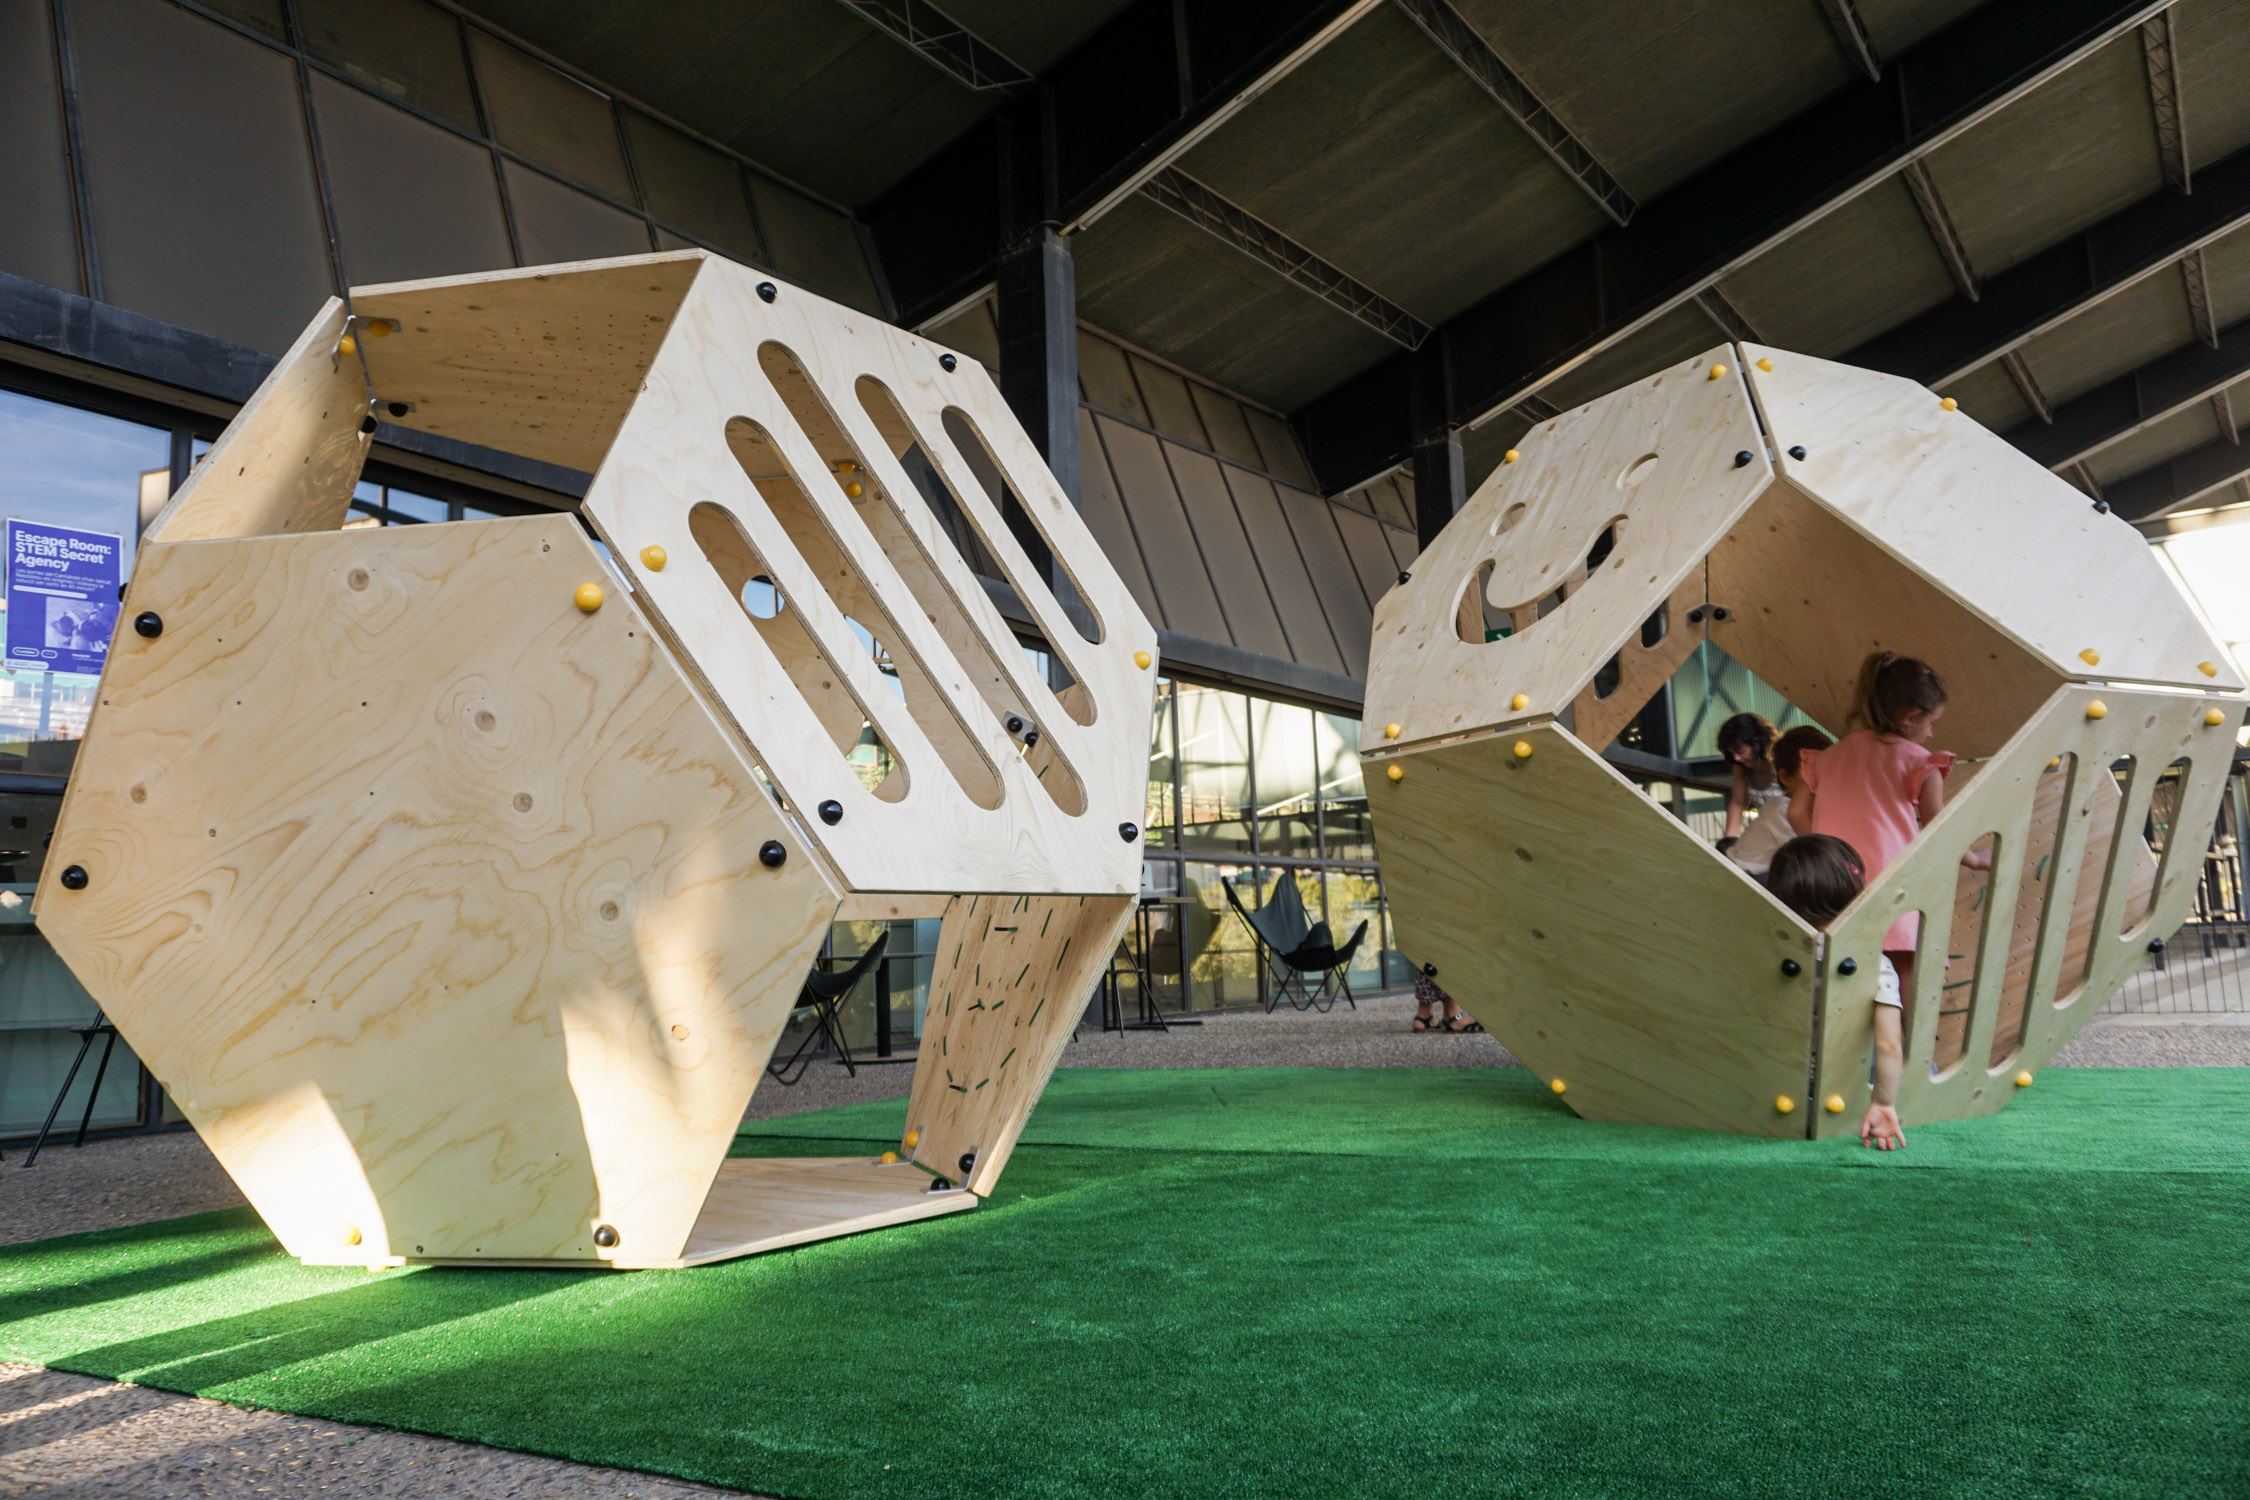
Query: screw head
1742,459
74,878
1128,831
1430,969
947,362
399,408
1848,967
149,623
938,1185
1405,577
1797,453
1791,967
2156,945
2101,507
968,1162
767,291
605,1236
832,812
772,854
1014,724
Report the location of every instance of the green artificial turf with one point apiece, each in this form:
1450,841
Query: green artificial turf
1320,1282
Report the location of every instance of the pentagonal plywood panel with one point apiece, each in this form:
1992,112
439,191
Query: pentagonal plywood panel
1866,516
419,886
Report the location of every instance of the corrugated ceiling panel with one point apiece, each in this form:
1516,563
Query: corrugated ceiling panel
1183,589
1371,555
1242,589
1291,587
1341,597
1104,510
1229,430
1107,379
1169,405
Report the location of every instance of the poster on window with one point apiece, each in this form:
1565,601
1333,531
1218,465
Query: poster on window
62,596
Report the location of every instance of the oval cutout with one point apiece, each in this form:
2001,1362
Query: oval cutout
1636,471
1508,519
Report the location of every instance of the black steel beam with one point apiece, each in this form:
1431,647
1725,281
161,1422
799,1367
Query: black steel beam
2063,280
1113,112
2133,402
1723,217
2177,481
1038,318
1441,484
942,42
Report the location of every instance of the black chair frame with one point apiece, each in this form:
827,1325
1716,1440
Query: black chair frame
824,995
1314,952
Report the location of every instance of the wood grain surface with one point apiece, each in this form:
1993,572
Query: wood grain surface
435,901
1596,936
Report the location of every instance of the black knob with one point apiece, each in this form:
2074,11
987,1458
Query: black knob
938,1185
399,408
1848,966
2156,945
149,623
367,423
1430,969
1030,737
1791,967
2101,507
767,291
1014,723
1128,831
771,854
832,812
946,362
1742,459
1798,454
1405,577
605,1236
968,1162
74,878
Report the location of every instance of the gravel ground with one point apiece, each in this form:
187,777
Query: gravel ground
68,1435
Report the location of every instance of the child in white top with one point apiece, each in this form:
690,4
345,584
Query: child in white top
1754,851
1816,877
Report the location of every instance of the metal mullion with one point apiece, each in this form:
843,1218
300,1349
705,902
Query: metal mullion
74,145
296,31
490,141
632,169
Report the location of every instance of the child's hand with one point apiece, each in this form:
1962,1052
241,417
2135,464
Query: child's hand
1977,859
1881,1128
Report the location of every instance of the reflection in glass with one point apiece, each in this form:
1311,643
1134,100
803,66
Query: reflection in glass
1344,817
1221,957
1160,824
1214,759
1285,781
1711,688
1356,896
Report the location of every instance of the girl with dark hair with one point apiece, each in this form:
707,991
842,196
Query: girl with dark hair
1746,740
1817,877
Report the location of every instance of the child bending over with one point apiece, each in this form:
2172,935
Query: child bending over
1816,877
1754,850
1746,740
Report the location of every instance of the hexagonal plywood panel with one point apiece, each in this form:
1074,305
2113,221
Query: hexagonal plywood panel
422,890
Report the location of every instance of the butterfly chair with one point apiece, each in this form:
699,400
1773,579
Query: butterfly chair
1291,947
824,995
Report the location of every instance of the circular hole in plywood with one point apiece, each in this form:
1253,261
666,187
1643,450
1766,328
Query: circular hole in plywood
1636,471
1508,519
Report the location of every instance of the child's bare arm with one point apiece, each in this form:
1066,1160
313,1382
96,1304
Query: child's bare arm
1800,808
1738,802
1881,1128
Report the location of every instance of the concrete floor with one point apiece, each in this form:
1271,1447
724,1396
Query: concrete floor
67,1435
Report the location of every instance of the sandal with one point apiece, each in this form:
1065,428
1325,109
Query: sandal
1424,1023
1460,1015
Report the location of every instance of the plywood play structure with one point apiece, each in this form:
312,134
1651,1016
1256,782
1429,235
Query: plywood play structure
457,880
1798,514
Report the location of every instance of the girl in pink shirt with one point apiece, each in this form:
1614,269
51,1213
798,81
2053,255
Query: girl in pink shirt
1879,784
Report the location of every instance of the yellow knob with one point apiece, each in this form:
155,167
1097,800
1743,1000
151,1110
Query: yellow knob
2215,717
1520,702
913,1139
2090,657
1391,731
1834,1104
348,1235
845,466
2023,1079
1523,749
1396,773
1141,659
653,558
1557,1085
2054,763
1784,1105
2208,668
1766,365
588,597
1718,372
347,345
2097,710
1510,456
379,329
890,1158
853,489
